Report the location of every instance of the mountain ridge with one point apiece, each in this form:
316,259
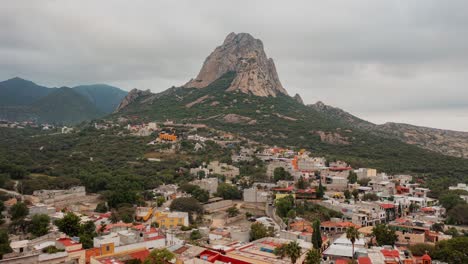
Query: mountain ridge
23,100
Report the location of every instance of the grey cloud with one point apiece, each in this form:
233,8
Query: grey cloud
372,58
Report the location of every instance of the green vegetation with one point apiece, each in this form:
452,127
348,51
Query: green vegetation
158,256
198,193
454,250
352,234
258,230
52,250
284,205
4,243
280,174
39,225
70,225
292,250
195,235
18,211
317,235
232,211
101,208
187,204
313,257
228,191
384,235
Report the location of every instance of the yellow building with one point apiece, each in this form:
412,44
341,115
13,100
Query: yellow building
171,219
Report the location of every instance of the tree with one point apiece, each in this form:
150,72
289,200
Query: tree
302,183
291,214
257,231
101,208
195,235
201,195
438,227
320,190
347,194
450,199
159,256
69,224
313,257
284,205
413,207
454,250
384,235
228,191
39,225
316,235
370,197
352,234
281,174
19,211
364,181
458,215
421,249
281,251
352,177
355,193
232,211
187,204
293,250
160,200
4,243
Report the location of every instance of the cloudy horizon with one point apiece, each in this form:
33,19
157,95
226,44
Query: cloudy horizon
383,61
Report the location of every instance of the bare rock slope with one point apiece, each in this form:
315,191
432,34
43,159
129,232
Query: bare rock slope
255,72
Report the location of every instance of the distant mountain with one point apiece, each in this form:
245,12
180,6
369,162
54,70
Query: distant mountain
447,142
17,91
105,97
64,105
24,100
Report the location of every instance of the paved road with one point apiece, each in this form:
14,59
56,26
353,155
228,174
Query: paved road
271,212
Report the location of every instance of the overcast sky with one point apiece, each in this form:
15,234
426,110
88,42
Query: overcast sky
396,60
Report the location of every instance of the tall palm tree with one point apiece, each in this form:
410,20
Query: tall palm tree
293,250
352,234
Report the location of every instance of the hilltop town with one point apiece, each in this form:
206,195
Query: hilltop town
250,203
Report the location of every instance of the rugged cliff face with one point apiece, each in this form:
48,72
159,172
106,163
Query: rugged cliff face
131,97
255,72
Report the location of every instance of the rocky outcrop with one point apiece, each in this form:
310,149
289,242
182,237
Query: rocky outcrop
447,142
238,119
332,138
241,53
131,97
298,98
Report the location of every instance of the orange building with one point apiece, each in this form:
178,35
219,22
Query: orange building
167,137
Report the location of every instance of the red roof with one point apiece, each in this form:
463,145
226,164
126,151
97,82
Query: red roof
428,209
67,242
387,206
342,261
390,253
426,257
364,260
141,255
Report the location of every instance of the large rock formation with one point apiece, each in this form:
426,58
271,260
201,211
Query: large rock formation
131,97
243,54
